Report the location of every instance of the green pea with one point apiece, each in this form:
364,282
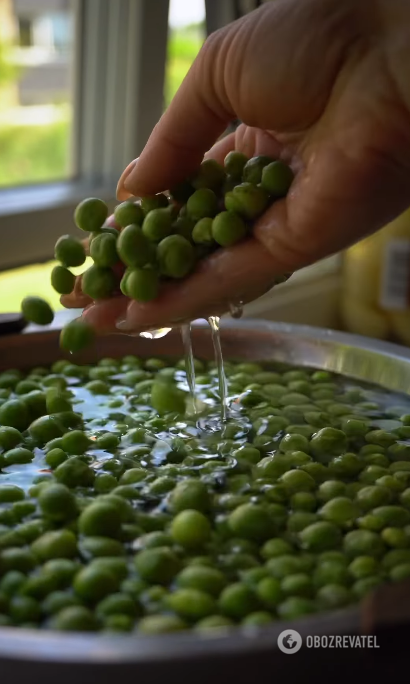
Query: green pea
91,214
17,559
75,442
202,232
9,437
396,516
57,503
283,565
340,510
160,624
17,455
151,202
298,584
372,473
400,572
294,442
56,401
210,175
142,284
346,465
363,543
297,481
237,600
71,253
190,529
92,583
14,413
74,619
277,177
11,582
74,472
202,203
391,482
206,579
320,536
133,247
24,609
57,601
399,452
365,586
330,572
295,607
117,604
176,256
332,596
101,518
184,226
103,250
10,493
251,521
114,565
98,282
55,544
157,224
373,496
76,335
228,228
62,280
62,570
328,442
234,163
191,604
128,213
157,565
167,398
353,427
276,547
252,170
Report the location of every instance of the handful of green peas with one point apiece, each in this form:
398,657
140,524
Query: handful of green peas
161,238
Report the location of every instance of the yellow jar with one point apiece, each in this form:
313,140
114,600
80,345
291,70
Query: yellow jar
376,284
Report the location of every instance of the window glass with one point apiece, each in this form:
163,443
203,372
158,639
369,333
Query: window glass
36,50
185,38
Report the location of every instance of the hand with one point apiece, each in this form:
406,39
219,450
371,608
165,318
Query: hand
322,84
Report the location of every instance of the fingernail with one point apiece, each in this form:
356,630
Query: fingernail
124,325
122,192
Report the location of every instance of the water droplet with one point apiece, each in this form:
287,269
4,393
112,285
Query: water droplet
155,334
236,310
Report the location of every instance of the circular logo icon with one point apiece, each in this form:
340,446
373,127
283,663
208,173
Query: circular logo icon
289,641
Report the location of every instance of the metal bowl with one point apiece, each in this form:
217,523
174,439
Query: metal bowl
50,657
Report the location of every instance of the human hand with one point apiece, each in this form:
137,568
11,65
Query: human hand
322,84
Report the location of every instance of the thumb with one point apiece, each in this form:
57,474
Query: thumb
195,118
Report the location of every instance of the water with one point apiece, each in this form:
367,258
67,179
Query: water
216,339
189,362
155,334
236,310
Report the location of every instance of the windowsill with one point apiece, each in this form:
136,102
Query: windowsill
45,196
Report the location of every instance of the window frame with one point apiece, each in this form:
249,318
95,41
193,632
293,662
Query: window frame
112,120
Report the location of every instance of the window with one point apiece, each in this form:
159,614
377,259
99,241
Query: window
36,92
25,32
82,84
186,35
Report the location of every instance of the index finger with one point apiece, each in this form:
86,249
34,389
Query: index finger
196,117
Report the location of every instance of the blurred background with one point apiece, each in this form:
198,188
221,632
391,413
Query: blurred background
82,83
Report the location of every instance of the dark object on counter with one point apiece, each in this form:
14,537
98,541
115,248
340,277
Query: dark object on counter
11,323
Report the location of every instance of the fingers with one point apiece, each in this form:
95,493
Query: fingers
196,117
230,276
